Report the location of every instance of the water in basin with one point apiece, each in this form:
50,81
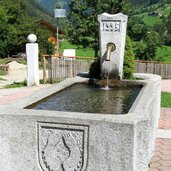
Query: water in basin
91,99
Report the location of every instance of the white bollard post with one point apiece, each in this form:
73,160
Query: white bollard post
32,61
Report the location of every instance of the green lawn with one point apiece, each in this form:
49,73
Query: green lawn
17,84
79,51
2,61
152,20
165,53
3,73
166,100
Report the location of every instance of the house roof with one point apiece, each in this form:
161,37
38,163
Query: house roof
48,25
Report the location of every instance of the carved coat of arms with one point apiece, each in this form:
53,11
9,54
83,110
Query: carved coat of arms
62,147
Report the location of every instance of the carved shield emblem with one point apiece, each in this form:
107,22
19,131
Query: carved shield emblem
62,147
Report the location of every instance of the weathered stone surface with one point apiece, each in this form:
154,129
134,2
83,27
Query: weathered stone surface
112,30
34,140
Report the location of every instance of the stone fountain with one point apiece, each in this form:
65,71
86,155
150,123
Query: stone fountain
43,140
112,44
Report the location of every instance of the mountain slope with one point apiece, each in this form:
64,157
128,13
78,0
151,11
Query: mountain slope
36,10
50,5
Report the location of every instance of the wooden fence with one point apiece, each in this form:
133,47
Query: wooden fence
4,67
57,68
160,68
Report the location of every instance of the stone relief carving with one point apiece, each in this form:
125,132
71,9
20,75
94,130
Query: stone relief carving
62,147
111,25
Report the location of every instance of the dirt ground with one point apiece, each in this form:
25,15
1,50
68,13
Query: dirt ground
17,72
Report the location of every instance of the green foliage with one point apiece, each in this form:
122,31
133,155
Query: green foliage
2,78
16,26
6,32
166,100
137,29
84,24
2,61
152,20
168,30
80,51
146,49
128,68
164,53
2,73
17,84
45,47
95,69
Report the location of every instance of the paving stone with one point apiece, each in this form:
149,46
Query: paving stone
165,157
165,151
155,159
162,168
153,169
165,163
155,165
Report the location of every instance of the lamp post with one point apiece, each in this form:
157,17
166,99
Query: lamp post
58,13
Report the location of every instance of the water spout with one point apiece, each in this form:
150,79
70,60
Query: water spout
110,48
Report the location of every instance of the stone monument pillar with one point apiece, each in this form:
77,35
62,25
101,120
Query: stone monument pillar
112,44
32,61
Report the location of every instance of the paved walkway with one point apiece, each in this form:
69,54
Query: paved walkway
166,86
8,96
161,160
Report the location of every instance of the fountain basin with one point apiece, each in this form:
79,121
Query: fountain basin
92,98
57,140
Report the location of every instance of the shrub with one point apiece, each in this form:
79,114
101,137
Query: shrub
95,70
128,68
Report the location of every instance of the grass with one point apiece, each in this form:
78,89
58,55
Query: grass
20,84
152,20
2,73
80,51
166,100
165,53
2,61
17,85
2,79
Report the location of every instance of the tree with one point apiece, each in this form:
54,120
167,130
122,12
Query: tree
146,49
7,32
168,30
83,18
137,29
17,25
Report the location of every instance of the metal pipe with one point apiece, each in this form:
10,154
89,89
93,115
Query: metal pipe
110,48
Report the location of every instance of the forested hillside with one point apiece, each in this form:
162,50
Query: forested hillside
50,5
36,10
